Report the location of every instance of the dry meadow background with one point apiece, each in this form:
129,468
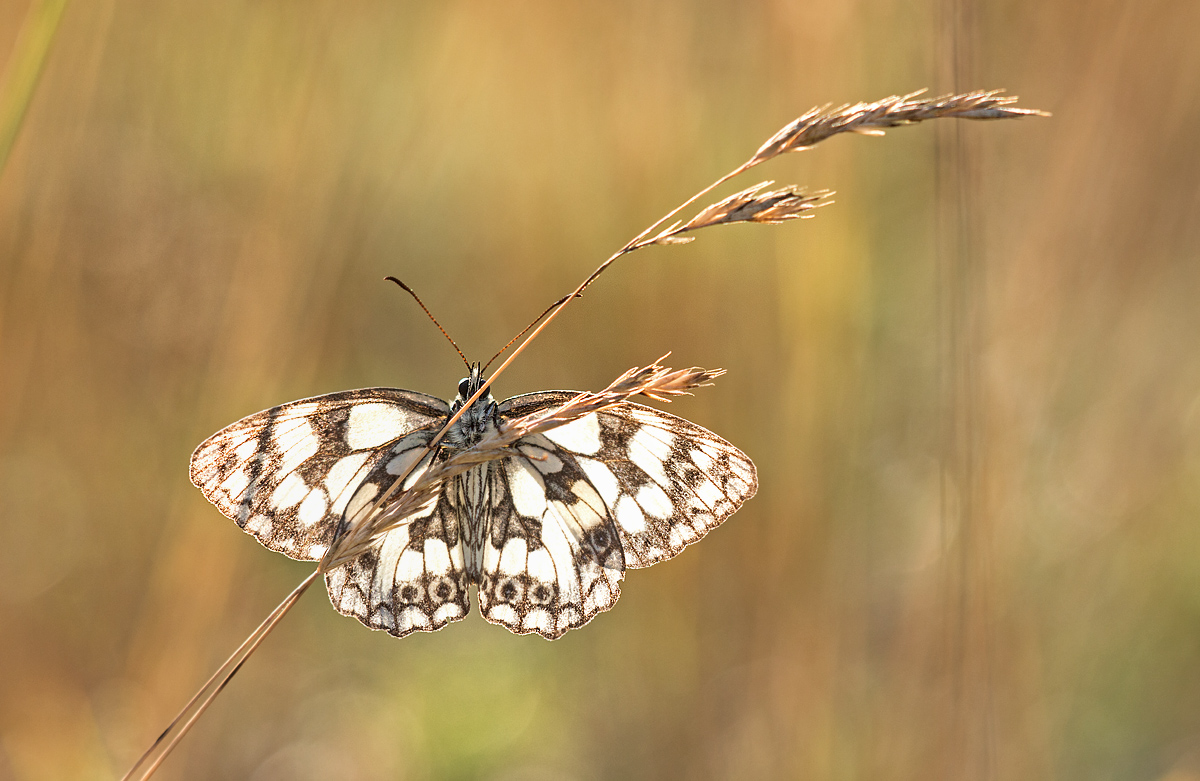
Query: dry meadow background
975,552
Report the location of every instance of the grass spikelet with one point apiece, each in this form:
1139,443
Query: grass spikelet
869,119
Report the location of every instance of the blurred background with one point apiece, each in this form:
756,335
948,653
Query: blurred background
971,385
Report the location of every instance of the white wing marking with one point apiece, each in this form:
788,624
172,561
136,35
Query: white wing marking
580,436
602,479
650,450
344,471
374,424
313,508
527,487
654,501
629,515
297,441
288,493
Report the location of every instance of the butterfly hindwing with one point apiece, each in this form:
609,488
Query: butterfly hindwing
552,559
287,474
413,577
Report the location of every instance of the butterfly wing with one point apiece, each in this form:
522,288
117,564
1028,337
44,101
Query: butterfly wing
287,474
630,486
674,481
552,559
413,578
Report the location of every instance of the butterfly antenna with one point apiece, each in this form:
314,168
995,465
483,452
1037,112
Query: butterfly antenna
409,290
536,320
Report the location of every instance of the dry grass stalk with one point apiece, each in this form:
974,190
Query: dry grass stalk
809,129
750,205
653,381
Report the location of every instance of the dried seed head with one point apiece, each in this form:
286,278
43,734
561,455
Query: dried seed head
818,124
749,205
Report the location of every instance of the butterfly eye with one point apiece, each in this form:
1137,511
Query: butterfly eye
464,388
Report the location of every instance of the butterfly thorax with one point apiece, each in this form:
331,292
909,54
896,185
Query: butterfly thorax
471,492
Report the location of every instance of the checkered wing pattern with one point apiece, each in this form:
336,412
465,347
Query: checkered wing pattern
289,473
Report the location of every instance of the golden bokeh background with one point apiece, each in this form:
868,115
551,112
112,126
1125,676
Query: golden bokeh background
971,385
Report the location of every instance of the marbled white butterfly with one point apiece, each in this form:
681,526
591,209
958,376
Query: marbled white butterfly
545,534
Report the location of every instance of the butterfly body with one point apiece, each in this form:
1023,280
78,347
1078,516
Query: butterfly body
544,534
472,492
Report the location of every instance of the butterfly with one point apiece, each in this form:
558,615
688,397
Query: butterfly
544,533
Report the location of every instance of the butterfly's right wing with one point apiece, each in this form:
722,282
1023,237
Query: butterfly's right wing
287,474
665,481
627,487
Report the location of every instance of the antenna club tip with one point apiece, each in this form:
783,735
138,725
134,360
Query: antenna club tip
390,278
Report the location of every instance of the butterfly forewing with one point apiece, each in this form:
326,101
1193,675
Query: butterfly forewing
675,481
287,474
630,486
665,481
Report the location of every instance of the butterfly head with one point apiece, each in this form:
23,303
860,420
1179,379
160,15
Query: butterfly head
467,388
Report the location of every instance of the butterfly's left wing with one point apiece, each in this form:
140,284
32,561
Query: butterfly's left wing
413,577
629,486
288,473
